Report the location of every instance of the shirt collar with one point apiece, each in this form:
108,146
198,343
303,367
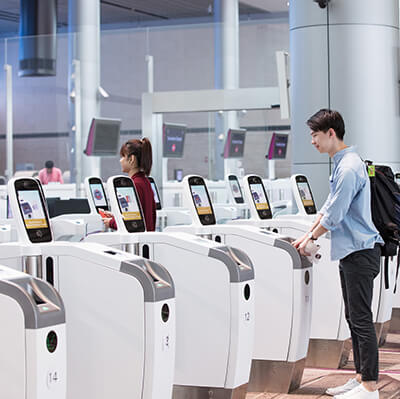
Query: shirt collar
340,154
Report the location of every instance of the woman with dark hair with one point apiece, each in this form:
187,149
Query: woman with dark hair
136,160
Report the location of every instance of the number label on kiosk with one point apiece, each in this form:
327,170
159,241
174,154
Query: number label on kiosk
236,190
33,211
155,193
259,196
306,195
129,205
98,194
201,200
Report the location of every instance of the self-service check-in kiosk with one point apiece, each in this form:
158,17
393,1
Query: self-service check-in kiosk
329,345
121,307
33,361
283,286
384,283
235,196
214,286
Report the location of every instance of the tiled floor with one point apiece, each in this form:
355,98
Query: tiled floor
315,381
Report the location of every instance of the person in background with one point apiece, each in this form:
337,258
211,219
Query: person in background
50,174
136,160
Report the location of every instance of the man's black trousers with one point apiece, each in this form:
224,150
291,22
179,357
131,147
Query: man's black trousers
357,273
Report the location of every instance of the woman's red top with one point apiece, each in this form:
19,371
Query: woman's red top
146,198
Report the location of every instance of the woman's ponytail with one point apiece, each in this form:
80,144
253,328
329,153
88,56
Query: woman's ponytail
146,156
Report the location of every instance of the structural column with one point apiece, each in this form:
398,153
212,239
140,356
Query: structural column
345,57
226,74
84,46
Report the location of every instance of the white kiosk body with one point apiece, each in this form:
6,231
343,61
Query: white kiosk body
329,345
33,361
384,283
121,307
283,287
214,286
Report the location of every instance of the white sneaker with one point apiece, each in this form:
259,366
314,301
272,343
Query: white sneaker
358,393
350,384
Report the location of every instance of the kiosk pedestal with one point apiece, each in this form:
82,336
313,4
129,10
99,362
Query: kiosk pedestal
33,361
284,292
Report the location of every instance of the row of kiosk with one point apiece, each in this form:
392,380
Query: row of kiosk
197,310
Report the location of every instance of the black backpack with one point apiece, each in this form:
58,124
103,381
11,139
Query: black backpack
385,210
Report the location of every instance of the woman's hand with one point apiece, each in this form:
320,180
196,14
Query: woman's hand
105,214
106,222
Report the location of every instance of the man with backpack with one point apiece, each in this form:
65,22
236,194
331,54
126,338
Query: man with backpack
355,241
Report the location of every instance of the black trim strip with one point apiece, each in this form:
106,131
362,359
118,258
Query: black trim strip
138,132
344,24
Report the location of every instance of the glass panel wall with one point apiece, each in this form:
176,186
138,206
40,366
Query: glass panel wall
184,59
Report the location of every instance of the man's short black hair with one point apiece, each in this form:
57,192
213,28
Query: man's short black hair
49,164
325,119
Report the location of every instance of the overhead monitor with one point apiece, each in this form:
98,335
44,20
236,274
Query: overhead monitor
234,144
103,138
173,140
278,146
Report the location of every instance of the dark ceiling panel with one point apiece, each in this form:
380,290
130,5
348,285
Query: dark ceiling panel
126,11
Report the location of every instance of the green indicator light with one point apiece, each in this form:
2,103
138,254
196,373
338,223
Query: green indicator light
51,341
45,308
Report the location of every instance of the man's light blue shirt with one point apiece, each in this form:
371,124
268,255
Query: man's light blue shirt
347,210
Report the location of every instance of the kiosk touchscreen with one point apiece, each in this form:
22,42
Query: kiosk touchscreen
32,210
201,200
98,194
235,189
259,197
306,195
155,193
129,205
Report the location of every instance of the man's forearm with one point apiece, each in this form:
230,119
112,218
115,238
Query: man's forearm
316,223
318,231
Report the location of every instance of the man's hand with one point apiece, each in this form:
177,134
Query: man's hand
301,243
297,242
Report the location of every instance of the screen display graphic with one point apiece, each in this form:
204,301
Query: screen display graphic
98,195
258,195
236,191
305,193
127,203
200,198
32,210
